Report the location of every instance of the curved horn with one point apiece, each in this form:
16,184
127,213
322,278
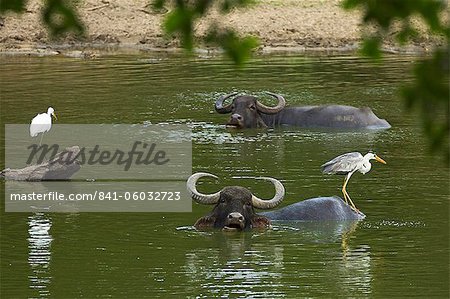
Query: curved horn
276,200
219,104
207,199
272,110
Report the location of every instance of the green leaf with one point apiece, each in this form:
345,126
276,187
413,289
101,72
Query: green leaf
158,4
371,47
238,49
350,4
429,93
61,19
180,21
406,33
201,6
12,5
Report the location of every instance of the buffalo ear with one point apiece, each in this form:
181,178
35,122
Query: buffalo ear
205,222
260,222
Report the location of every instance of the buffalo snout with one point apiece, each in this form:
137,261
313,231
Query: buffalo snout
235,221
236,120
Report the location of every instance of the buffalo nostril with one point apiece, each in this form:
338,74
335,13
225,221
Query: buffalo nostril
235,216
236,116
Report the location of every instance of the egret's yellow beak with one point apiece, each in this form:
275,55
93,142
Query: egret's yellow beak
54,115
379,159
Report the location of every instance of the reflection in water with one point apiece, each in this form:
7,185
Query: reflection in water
235,268
346,234
39,253
249,264
355,271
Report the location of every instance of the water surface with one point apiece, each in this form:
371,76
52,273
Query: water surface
400,250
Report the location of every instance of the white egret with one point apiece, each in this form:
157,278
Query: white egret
42,123
347,164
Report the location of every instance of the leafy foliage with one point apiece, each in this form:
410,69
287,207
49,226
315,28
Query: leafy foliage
184,15
60,18
430,91
58,15
238,49
12,5
385,12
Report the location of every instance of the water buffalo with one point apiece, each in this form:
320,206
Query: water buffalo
247,112
316,209
234,207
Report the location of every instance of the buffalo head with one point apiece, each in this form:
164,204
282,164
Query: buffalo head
246,110
234,205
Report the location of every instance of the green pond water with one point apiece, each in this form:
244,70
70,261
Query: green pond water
400,250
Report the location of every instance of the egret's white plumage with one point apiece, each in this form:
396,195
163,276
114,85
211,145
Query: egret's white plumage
347,164
42,123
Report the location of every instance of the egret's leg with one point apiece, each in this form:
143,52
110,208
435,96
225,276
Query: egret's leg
344,190
40,141
353,205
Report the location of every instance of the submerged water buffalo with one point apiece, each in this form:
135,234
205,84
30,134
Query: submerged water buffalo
247,112
235,207
316,209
